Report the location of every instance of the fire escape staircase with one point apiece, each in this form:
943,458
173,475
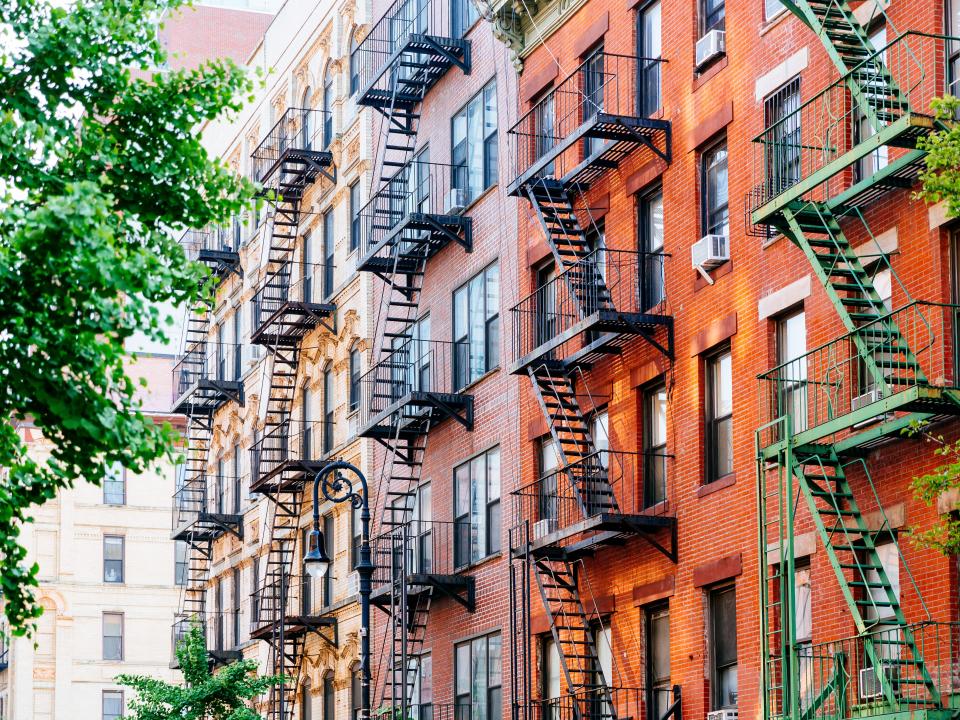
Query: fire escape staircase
280,328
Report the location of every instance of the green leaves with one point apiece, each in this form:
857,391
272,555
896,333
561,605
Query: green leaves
101,158
941,177
225,695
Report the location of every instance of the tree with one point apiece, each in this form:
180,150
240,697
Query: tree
225,695
99,159
941,177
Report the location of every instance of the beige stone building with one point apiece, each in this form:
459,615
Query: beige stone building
108,571
270,374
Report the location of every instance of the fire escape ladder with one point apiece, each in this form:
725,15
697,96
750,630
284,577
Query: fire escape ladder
573,440
572,631
870,596
886,355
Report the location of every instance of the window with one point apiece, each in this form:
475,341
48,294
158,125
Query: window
356,535
306,701
650,222
218,615
327,107
113,558
328,537
719,406
549,500
306,120
545,119
803,629
329,698
355,216
478,678
237,482
547,318
781,112
354,379
593,80
477,508
356,692
712,14
255,589
354,68
878,614
113,636
180,566
115,485
792,363
649,51
723,647
474,142
713,183
658,661
329,245
476,326
306,412
464,16
550,674
603,669
772,8
235,610
422,694
111,704
328,405
863,130
654,445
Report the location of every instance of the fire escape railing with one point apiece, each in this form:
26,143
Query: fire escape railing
292,441
299,130
430,547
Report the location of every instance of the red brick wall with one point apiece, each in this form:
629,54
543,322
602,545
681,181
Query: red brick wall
193,35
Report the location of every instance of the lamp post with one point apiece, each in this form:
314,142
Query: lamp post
337,488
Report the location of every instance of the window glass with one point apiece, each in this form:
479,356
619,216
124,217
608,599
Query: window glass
712,15
478,679
112,636
655,445
476,326
474,143
180,562
113,559
720,416
354,380
723,634
355,216
477,508
658,660
649,51
792,380
782,116
716,215
112,705
115,485
863,130
772,8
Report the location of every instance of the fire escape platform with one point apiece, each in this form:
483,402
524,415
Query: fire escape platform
294,626
435,231
615,329
418,411
461,588
623,135
207,527
288,325
287,475
902,132
923,401
220,262
301,167
584,537
206,396
442,54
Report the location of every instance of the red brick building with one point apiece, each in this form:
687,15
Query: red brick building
776,148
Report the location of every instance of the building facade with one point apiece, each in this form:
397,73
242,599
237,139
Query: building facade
269,374
107,583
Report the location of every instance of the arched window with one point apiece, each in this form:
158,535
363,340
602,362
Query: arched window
329,697
307,120
327,106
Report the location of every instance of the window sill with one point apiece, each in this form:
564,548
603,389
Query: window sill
718,484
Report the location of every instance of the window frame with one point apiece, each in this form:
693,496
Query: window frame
655,685
489,139
111,478
329,253
785,157
713,593
464,371
709,215
704,14
713,421
654,453
181,568
355,206
329,410
490,543
235,607
464,710
121,561
104,636
103,702
355,373
653,289
649,67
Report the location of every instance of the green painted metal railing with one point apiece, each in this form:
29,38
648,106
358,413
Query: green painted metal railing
827,383
807,142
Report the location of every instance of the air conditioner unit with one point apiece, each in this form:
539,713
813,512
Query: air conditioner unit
711,46
725,714
542,528
867,398
709,252
870,683
457,201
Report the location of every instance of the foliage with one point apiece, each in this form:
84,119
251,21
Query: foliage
941,176
225,695
99,159
944,536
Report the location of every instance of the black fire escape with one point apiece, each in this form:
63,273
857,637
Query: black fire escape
206,378
290,303
597,301
416,210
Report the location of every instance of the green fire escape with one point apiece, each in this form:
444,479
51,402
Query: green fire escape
821,166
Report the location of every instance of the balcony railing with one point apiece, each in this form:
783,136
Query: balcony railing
292,441
208,369
421,547
295,282
636,703
394,219
604,286
404,26
222,631
564,498
298,131
411,374
603,106
798,147
300,597
204,496
869,675
838,379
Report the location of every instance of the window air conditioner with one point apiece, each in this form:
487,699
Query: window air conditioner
870,683
709,252
711,46
725,714
457,202
542,528
867,398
